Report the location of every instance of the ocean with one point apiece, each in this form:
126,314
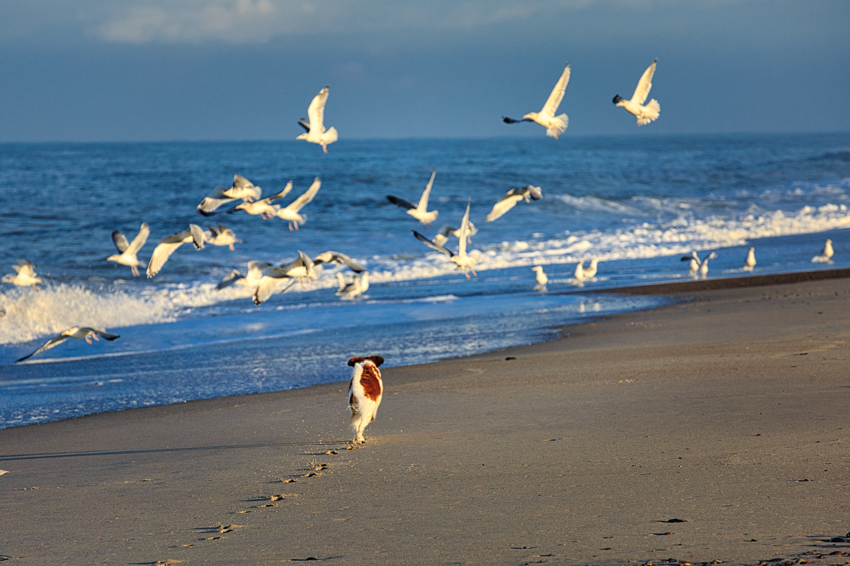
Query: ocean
637,203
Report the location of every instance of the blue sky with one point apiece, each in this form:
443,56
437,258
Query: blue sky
94,70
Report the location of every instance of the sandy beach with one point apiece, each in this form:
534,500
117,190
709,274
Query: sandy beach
712,429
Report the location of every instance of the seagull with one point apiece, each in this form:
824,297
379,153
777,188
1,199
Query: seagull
703,266
221,236
338,258
127,251
290,213
315,127
358,286
750,262
169,244
546,117
460,259
298,270
579,272
241,188
443,235
250,280
73,332
541,277
512,198
420,212
264,206
826,255
645,114
590,272
24,275
694,260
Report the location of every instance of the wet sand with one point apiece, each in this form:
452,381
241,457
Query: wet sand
715,428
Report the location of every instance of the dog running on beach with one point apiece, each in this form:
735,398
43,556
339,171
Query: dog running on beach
364,393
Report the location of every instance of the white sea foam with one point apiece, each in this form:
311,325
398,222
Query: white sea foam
31,315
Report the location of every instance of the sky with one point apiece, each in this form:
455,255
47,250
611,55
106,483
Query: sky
161,70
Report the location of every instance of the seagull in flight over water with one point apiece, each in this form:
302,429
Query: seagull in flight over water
73,332
316,132
510,200
25,276
127,250
554,125
420,212
645,114
463,261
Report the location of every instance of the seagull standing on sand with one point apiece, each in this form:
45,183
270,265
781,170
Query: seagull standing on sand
511,199
73,332
241,188
169,244
590,272
420,212
826,255
554,125
644,114
316,126
703,266
463,261
541,278
291,212
24,275
750,262
127,251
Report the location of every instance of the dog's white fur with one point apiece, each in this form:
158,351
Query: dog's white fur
363,399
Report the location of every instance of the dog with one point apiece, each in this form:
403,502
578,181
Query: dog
364,393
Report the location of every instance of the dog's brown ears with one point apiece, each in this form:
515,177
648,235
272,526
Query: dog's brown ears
377,360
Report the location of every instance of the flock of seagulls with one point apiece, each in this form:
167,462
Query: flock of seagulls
265,279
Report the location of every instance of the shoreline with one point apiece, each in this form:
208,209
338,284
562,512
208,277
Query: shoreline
575,451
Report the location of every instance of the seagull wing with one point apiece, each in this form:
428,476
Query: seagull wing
102,333
431,244
557,95
505,204
464,233
281,194
167,246
507,120
423,201
229,279
301,201
645,83
402,202
304,124
140,239
119,239
198,237
212,201
50,343
316,111
352,265
536,193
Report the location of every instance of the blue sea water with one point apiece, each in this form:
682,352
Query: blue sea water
637,203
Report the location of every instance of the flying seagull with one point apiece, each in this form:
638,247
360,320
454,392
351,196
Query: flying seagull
24,275
645,114
241,188
221,236
420,212
358,286
264,206
73,332
169,244
316,132
510,200
250,280
127,251
554,125
291,212
463,261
